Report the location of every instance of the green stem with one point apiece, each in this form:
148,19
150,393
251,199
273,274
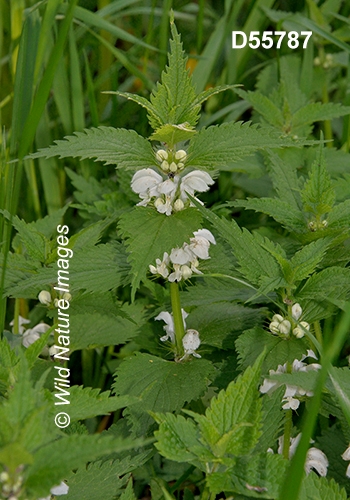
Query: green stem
287,432
318,331
177,315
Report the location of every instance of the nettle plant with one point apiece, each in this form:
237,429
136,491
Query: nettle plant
223,341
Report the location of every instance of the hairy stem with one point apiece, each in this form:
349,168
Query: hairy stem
177,315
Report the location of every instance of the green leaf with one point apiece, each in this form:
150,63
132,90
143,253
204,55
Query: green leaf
171,134
273,417
128,494
149,234
314,486
176,437
317,111
284,213
219,145
318,194
98,320
263,105
339,217
162,385
257,476
49,469
308,258
232,423
123,148
285,180
173,97
252,342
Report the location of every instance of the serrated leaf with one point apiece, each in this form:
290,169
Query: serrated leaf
128,494
285,180
258,476
142,101
96,320
49,469
305,261
314,486
123,148
284,213
339,217
273,418
162,385
176,437
171,134
316,112
219,145
263,105
318,194
33,241
279,351
255,261
232,422
149,234
86,402
174,96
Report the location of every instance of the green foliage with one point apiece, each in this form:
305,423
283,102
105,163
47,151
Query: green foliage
319,486
162,385
163,233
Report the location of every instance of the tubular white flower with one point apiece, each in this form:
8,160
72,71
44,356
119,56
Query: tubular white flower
169,326
161,155
45,297
61,489
161,266
191,342
164,208
176,275
180,255
181,154
144,180
33,334
316,459
346,454
299,332
197,180
186,272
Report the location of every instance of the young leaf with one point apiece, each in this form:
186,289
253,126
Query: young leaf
285,180
123,148
232,422
314,486
174,96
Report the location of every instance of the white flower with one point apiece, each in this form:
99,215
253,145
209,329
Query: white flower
178,205
21,321
181,154
164,207
144,183
315,458
45,297
191,342
296,311
299,331
169,326
176,275
346,456
33,334
180,255
161,266
279,325
61,489
197,180
201,242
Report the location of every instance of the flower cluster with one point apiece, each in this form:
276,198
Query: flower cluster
183,262
168,191
30,335
282,326
190,341
292,393
46,299
315,458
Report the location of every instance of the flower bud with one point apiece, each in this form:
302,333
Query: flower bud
299,331
186,272
284,327
173,167
158,202
278,318
324,223
180,155
178,205
296,311
273,327
180,166
161,155
45,297
67,296
164,166
153,269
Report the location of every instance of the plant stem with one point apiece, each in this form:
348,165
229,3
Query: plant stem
287,431
177,315
318,331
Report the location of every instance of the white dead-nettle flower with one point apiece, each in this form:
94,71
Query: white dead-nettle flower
282,326
45,297
299,331
315,458
183,262
292,393
346,456
168,191
33,334
169,326
61,489
191,342
296,311
21,322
